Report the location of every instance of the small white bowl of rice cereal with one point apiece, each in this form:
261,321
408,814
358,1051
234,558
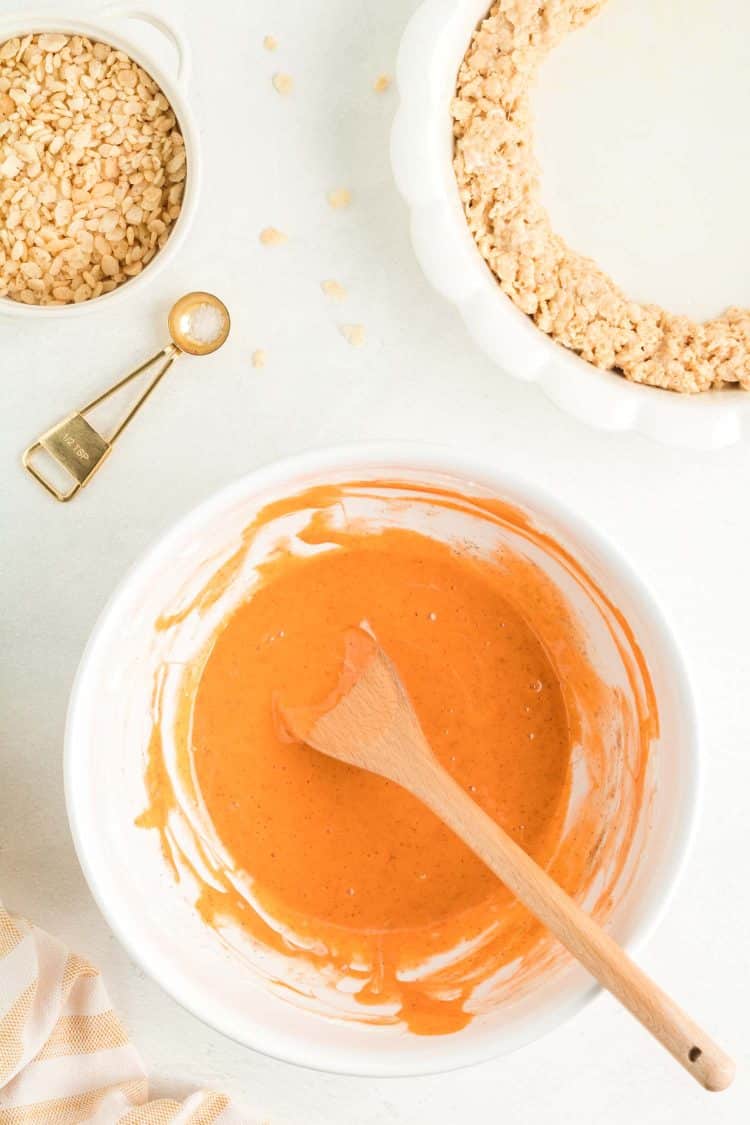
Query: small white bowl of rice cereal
99,160
495,233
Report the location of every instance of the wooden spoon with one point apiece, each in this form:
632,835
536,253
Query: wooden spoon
373,725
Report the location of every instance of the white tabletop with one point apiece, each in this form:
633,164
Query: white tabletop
682,519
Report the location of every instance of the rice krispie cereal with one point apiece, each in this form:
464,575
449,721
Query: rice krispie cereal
92,169
566,294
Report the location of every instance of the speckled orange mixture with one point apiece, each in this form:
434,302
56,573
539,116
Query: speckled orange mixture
566,294
488,699
370,882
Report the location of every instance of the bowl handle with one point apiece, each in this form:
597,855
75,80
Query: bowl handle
169,28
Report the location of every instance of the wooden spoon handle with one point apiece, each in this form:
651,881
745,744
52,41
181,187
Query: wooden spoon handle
599,953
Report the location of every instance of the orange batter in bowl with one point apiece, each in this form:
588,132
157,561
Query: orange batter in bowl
342,868
485,692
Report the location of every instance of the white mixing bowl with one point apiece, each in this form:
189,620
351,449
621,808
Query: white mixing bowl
109,725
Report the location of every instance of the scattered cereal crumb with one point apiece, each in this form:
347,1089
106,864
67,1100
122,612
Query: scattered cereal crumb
381,83
259,358
270,236
354,334
283,83
333,289
339,197
270,43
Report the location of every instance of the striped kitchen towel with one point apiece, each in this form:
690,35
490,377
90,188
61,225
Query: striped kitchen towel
64,1056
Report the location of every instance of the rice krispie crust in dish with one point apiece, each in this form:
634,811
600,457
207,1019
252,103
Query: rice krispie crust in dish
566,294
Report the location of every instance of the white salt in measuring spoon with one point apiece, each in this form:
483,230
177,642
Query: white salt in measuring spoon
198,324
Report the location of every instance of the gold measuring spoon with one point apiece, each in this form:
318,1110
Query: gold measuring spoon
198,324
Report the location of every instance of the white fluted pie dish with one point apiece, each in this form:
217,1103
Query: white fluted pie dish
431,51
